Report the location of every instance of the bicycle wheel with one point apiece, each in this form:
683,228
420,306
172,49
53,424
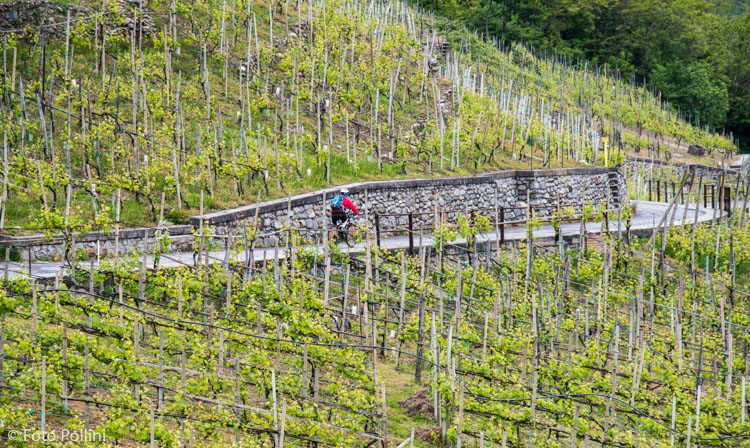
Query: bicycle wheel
334,235
349,237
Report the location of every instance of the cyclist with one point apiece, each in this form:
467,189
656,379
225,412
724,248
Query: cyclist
339,203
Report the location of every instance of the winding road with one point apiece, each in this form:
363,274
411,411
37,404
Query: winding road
648,216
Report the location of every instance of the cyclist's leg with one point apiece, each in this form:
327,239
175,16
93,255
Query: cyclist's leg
337,218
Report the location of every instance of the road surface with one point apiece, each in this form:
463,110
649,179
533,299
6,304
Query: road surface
648,215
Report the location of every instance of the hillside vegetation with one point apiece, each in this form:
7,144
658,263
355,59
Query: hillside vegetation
695,52
643,344
130,112
124,113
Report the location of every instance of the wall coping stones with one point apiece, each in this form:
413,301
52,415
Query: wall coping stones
681,164
316,197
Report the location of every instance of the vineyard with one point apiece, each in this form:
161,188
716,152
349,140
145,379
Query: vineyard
120,114
111,109
617,344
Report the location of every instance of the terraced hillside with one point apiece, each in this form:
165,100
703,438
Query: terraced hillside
628,345
127,113
112,108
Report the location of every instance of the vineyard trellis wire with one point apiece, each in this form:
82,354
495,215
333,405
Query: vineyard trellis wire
375,305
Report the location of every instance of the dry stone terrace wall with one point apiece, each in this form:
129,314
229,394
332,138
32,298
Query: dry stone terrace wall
40,248
49,18
455,195
452,195
661,170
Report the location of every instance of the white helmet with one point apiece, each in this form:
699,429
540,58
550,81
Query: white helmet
345,191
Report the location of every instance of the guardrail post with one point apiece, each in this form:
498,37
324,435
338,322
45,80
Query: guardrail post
728,200
557,231
658,191
502,225
606,221
411,232
713,196
705,195
377,229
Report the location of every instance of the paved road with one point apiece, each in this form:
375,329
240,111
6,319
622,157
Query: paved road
740,161
648,215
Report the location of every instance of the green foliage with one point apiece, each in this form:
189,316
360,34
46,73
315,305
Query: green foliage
693,51
498,343
470,227
692,88
215,131
14,255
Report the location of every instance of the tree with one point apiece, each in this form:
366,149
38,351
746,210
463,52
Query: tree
694,89
695,52
738,118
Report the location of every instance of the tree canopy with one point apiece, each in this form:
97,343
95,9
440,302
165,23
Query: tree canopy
696,52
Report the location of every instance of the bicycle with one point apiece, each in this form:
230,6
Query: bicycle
344,231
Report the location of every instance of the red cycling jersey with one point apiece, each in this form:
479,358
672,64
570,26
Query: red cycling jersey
346,203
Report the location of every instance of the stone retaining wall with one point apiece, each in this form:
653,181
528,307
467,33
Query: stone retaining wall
49,19
509,189
99,244
665,170
453,195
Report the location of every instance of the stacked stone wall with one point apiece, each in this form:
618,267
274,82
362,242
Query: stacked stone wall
99,244
49,19
512,190
661,170
394,200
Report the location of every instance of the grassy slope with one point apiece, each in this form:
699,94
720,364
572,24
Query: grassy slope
347,374
244,108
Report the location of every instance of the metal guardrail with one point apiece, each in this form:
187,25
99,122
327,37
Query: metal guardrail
659,190
499,222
